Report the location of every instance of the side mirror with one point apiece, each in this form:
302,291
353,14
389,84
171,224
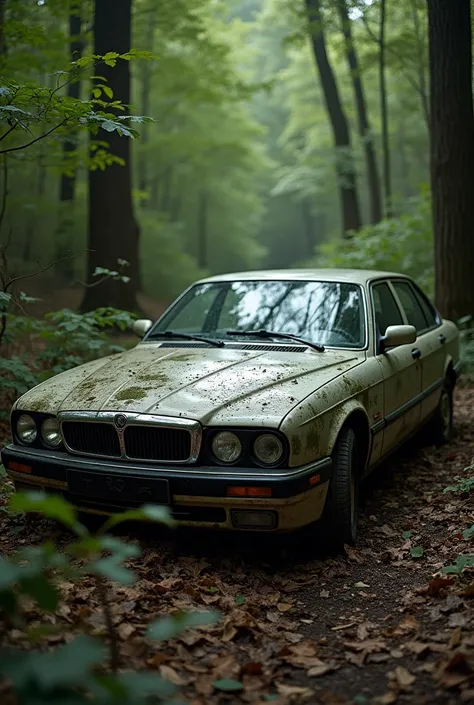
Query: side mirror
398,335
142,326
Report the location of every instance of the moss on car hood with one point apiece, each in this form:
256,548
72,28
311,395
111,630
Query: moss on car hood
212,385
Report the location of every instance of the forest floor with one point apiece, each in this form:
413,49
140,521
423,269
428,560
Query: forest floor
375,625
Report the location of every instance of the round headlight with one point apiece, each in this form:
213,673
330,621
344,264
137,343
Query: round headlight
26,429
50,432
226,447
268,449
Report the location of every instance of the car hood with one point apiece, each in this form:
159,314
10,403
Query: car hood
212,385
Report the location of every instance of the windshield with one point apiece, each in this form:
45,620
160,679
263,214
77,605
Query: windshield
329,313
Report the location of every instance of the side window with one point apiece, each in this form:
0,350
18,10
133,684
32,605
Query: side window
429,311
387,312
411,306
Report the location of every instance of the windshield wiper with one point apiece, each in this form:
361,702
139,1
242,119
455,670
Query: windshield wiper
263,333
186,336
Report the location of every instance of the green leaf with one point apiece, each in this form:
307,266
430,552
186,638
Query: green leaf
239,600
50,506
463,561
108,92
111,569
172,626
148,512
468,533
227,685
417,552
69,664
45,594
407,534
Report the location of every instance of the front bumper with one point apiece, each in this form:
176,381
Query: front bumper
197,496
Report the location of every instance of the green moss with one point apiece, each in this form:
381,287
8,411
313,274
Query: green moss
295,445
130,394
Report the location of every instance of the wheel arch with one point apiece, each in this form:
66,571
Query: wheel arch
354,416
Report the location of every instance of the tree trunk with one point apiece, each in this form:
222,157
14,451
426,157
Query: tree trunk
113,230
452,154
421,58
3,48
145,91
344,160
67,186
202,230
309,228
363,119
384,113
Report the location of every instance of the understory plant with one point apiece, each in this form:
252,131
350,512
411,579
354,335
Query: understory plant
82,670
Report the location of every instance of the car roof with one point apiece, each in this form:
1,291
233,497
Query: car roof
356,276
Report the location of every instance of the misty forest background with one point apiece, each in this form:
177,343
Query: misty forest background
281,134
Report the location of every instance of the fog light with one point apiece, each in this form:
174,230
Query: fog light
254,519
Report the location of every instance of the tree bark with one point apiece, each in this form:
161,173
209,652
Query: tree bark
3,48
363,119
344,160
387,179
452,154
420,37
113,230
67,186
145,91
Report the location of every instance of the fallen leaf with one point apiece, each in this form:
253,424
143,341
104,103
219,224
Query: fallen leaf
437,584
171,675
125,630
168,584
284,606
408,624
417,552
320,670
370,646
324,593
239,600
455,638
341,627
227,685
361,585
158,659
253,669
404,678
417,647
468,591
387,699
288,691
458,619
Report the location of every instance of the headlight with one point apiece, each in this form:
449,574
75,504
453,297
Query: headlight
26,429
268,449
226,447
50,432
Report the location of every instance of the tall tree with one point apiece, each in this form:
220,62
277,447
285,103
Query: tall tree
67,186
387,179
344,160
362,115
452,153
113,231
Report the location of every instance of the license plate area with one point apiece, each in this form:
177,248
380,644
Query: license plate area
110,486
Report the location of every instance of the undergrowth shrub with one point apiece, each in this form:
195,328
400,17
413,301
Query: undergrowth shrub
82,670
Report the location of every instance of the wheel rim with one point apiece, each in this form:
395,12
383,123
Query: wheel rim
445,408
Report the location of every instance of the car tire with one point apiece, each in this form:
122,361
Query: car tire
441,427
339,522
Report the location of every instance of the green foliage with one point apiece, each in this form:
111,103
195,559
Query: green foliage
401,244
466,330
463,561
73,672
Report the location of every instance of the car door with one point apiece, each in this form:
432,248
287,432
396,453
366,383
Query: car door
430,341
401,371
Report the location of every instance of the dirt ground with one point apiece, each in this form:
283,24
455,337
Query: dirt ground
375,625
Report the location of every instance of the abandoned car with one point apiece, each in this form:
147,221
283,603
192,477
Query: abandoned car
258,401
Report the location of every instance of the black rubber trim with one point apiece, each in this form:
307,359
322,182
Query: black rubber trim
405,408
193,481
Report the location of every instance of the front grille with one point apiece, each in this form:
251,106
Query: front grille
148,442
91,438
140,442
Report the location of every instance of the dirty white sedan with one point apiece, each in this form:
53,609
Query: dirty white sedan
258,401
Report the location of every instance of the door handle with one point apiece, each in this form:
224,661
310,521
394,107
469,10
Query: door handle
442,338
416,353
